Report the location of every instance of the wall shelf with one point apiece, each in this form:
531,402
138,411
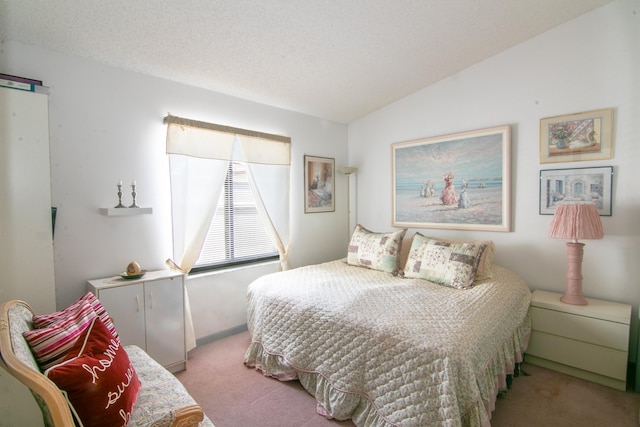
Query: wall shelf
125,211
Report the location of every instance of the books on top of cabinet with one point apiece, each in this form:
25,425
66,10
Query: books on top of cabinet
21,83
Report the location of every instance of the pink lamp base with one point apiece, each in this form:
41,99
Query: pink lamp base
573,299
573,293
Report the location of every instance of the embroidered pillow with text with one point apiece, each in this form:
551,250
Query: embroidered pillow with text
98,379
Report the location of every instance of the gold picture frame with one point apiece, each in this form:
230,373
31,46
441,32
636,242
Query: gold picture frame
577,137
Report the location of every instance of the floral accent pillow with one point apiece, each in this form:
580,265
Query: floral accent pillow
98,379
377,251
447,263
485,264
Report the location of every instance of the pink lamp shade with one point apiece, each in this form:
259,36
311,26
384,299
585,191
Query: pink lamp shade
575,221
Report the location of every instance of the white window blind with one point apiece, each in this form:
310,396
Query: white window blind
237,233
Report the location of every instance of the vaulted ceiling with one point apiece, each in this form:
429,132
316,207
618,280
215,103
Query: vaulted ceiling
335,59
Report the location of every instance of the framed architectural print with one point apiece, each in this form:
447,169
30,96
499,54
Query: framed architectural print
319,184
576,185
458,181
577,137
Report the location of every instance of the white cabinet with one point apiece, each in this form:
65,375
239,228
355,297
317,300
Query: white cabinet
148,312
26,239
587,341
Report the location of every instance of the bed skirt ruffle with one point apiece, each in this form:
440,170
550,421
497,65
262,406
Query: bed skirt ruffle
339,404
494,378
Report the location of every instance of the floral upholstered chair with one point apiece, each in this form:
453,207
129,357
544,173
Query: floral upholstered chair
161,401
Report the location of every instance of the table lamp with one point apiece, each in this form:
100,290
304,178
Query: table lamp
575,221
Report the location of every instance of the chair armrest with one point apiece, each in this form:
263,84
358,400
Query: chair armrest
189,416
15,318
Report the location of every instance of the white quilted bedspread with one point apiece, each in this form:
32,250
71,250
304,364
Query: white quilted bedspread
384,350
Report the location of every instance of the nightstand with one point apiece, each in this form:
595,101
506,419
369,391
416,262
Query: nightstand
587,341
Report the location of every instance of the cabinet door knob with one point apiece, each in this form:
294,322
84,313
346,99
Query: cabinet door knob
137,303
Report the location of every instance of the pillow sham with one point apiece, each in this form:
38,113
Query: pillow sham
45,320
447,263
485,264
50,344
98,379
377,251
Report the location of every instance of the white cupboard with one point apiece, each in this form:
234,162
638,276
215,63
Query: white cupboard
26,239
148,312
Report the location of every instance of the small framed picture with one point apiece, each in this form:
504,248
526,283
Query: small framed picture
577,137
319,184
576,185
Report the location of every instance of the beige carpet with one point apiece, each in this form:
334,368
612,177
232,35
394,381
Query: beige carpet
235,396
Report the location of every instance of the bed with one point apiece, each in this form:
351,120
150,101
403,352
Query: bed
429,343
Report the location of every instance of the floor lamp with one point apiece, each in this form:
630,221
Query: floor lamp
348,170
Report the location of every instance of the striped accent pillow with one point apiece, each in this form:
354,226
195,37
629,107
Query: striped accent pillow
46,320
51,344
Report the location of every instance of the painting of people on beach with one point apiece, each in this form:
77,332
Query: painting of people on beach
458,181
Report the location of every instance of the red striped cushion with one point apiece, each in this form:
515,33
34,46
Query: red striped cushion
51,344
46,320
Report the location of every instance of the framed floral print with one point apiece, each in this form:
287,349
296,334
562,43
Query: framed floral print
577,137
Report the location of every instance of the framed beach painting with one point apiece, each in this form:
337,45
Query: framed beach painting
576,185
319,184
577,137
459,181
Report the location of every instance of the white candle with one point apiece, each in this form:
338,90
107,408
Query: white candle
119,182
133,182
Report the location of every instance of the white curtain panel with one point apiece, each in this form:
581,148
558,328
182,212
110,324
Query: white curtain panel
270,187
196,185
199,155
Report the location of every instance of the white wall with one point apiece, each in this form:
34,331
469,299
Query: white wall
107,124
590,63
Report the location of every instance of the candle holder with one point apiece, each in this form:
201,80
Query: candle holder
119,205
133,194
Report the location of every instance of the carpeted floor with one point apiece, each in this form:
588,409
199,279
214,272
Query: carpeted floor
233,395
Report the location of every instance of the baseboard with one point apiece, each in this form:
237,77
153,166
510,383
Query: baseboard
220,335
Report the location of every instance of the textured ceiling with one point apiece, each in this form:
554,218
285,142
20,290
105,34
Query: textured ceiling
335,59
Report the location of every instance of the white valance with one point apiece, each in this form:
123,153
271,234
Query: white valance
212,141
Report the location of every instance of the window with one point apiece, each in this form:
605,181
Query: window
229,194
236,234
